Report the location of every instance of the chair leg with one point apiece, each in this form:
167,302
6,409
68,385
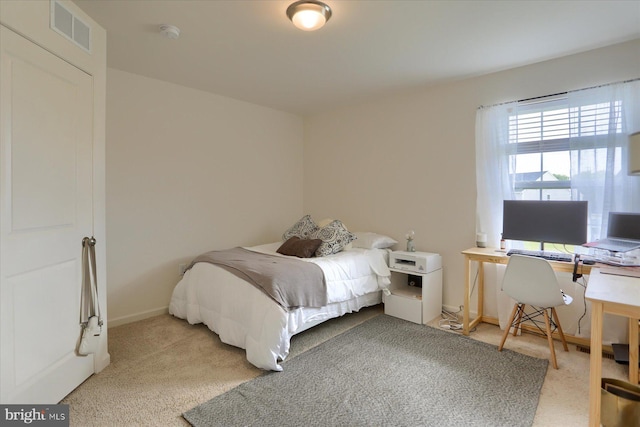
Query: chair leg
557,320
506,330
519,322
550,339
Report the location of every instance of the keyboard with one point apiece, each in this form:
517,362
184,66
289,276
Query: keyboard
551,256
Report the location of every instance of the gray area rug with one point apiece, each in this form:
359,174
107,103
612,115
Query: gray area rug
387,372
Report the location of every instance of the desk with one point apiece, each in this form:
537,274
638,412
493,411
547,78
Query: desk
491,255
619,295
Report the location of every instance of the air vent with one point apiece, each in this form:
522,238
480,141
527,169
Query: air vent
605,354
64,22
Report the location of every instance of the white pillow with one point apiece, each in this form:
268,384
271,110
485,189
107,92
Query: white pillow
368,240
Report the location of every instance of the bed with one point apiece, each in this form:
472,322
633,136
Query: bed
244,316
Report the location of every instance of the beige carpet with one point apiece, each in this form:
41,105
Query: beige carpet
162,366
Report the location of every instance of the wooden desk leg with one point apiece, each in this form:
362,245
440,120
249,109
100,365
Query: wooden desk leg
466,302
633,351
595,368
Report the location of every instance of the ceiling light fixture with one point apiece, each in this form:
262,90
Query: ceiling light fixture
170,31
309,15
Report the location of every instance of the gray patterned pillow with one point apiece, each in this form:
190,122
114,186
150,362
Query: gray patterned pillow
302,229
335,237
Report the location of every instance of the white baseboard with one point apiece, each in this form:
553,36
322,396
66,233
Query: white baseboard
118,321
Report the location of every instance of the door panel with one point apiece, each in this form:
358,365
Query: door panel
48,178
57,286
46,205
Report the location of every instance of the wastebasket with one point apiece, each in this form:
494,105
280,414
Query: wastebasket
620,403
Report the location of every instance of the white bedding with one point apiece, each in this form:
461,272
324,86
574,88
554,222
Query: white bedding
245,317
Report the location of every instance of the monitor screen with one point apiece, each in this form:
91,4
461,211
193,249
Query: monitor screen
548,221
623,225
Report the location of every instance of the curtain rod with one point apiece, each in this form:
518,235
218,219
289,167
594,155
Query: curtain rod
558,94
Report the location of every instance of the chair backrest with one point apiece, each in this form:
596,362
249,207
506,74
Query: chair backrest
532,281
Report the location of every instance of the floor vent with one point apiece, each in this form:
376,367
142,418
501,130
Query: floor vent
587,350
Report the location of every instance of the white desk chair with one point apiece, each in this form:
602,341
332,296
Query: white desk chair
532,281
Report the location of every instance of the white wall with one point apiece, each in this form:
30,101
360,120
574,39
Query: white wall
408,162
189,172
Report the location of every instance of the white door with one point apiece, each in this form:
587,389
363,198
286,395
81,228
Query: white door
46,207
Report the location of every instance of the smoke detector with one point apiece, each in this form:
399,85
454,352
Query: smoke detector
170,31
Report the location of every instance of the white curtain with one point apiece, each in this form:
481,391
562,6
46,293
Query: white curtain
493,186
599,153
598,174
492,169
599,168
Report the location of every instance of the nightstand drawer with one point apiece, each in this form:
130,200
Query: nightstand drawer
404,307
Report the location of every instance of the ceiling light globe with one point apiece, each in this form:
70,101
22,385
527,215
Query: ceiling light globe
308,20
309,15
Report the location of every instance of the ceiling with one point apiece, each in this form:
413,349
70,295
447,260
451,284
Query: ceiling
249,50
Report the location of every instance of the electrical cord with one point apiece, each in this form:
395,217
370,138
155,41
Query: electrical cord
475,280
584,300
451,320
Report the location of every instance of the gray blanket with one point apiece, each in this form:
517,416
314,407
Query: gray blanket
289,282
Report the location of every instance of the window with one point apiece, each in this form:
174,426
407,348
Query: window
567,147
563,147
542,136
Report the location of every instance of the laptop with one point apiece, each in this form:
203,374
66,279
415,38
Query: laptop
623,233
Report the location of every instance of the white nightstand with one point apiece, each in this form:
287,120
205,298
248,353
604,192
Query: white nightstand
414,303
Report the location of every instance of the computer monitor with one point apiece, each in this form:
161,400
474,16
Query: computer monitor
624,225
545,221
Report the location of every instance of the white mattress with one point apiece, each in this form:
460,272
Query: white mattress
245,317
